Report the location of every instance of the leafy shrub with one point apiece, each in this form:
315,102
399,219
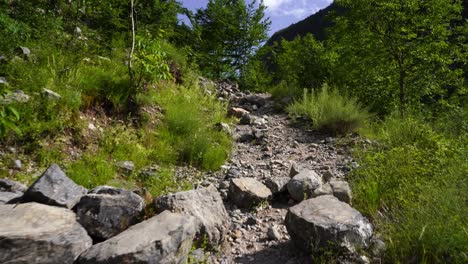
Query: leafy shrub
330,111
413,184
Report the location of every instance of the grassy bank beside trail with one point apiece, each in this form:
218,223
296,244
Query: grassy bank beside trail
87,127
413,185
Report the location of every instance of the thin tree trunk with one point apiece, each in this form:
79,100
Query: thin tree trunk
132,48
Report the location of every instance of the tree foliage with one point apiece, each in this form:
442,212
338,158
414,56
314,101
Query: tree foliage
230,31
397,53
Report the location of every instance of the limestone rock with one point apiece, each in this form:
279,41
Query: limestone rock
7,185
163,239
205,205
303,185
341,190
40,234
277,184
106,211
9,197
327,222
238,112
247,192
54,188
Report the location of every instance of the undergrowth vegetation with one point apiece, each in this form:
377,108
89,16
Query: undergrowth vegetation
330,111
413,184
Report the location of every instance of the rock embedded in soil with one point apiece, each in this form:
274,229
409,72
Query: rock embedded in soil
7,185
341,190
205,205
54,188
106,211
325,222
277,184
248,192
37,233
303,185
164,239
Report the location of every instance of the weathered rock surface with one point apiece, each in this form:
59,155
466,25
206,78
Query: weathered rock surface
247,192
303,185
341,190
277,184
238,112
163,239
106,211
9,197
37,233
325,221
54,188
7,185
205,205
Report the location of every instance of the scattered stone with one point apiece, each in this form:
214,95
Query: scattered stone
325,189
253,100
238,112
205,205
246,120
327,222
224,128
51,94
378,246
126,166
40,234
3,81
7,185
293,170
197,256
327,175
23,52
303,185
251,221
150,171
17,165
341,190
17,96
273,233
248,192
107,211
165,238
277,184
54,188
9,197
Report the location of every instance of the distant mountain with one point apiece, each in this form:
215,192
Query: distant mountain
315,24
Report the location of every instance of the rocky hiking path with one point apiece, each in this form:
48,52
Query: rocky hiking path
272,149
281,198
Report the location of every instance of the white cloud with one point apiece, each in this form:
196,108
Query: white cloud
273,5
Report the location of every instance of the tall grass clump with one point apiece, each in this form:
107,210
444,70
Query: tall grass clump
330,111
188,127
413,184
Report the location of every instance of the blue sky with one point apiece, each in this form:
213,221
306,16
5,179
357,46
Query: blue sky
281,12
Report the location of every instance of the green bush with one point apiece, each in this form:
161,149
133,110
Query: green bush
413,184
330,111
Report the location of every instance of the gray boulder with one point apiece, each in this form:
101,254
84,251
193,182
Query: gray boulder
163,239
9,197
325,189
277,184
126,166
106,211
303,185
7,185
205,205
40,234
54,188
248,192
326,222
342,191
